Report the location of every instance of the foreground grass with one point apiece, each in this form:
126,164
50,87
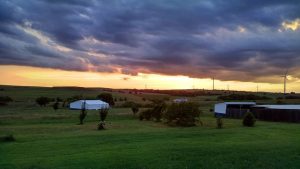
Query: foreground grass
46,139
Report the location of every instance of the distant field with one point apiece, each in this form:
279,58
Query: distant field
49,139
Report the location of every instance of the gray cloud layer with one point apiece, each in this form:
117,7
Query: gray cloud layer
231,40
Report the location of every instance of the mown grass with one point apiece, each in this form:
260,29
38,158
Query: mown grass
49,139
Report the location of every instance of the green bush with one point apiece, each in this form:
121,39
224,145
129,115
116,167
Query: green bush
219,122
42,101
146,114
7,138
55,105
5,99
157,110
249,119
134,109
182,114
82,116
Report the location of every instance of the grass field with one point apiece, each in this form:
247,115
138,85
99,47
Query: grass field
49,139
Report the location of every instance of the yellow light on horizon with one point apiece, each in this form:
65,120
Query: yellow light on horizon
33,76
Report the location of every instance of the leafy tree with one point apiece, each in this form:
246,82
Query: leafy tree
103,114
219,122
82,115
158,109
106,97
182,114
249,119
42,101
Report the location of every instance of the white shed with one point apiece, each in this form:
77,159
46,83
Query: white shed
89,104
221,108
180,100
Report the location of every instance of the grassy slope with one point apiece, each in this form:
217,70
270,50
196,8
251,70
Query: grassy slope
48,139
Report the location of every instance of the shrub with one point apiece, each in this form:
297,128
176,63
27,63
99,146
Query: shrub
55,105
82,115
157,110
182,114
106,97
42,101
134,109
249,119
219,122
5,99
146,114
8,138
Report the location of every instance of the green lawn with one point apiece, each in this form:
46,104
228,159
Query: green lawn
49,139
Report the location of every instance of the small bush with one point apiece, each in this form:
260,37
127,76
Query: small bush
157,110
8,138
82,116
5,99
146,114
134,109
55,105
219,122
249,119
182,114
42,101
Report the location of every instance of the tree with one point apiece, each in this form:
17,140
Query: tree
82,115
158,109
134,108
219,122
103,114
182,114
249,119
106,97
55,105
42,101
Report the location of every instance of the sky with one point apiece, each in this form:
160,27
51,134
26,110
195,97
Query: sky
160,44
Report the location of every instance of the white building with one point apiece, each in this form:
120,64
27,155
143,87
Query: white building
180,100
89,105
222,108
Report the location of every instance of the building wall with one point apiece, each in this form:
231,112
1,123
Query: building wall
277,115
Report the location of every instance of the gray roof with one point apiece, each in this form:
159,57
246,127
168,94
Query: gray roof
287,106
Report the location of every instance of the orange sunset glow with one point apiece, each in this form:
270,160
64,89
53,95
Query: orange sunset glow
31,76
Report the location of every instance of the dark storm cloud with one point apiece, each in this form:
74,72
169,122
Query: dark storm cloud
231,40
